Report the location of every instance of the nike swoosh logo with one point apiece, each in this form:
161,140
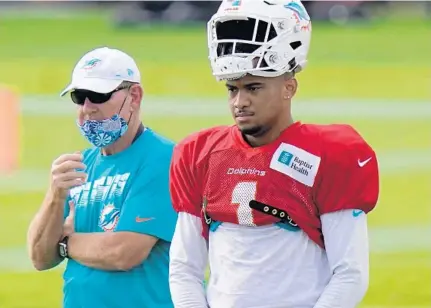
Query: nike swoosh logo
143,219
356,213
363,163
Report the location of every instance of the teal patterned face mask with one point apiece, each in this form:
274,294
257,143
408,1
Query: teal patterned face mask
104,132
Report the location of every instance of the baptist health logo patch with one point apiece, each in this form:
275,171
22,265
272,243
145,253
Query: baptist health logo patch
108,218
296,163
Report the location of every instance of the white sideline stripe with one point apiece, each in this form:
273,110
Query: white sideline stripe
169,106
383,240
395,162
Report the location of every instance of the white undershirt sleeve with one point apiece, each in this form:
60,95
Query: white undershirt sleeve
346,242
188,261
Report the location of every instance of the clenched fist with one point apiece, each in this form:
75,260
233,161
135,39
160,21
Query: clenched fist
64,174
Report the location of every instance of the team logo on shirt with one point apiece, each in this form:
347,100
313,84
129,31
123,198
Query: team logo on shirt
108,218
245,171
100,190
296,163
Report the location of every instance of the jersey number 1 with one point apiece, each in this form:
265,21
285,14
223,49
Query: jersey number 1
242,194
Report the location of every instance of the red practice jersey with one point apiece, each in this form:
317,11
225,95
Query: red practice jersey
308,171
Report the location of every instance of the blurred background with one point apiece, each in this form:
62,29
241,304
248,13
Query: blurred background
369,67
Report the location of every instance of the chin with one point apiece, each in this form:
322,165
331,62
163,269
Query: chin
254,131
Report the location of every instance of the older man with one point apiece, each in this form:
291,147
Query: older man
107,210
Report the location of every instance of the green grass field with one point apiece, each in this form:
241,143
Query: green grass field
376,70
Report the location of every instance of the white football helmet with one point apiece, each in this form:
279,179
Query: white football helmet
259,37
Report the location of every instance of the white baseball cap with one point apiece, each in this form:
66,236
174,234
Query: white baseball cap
102,70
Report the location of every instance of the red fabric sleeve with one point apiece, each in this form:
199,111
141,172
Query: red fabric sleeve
184,185
349,177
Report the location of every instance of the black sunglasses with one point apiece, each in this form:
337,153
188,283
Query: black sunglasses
79,96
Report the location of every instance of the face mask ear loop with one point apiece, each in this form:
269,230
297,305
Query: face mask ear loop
122,105
128,89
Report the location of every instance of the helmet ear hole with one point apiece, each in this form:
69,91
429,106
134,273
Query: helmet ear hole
292,64
295,45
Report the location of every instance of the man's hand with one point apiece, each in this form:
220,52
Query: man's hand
64,175
69,223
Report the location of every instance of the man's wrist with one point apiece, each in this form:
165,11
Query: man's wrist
57,196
